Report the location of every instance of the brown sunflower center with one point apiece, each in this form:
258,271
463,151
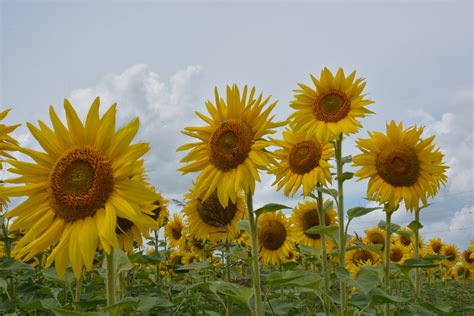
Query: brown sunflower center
310,219
396,254
230,144
272,235
123,225
436,247
377,238
176,232
360,256
331,106
467,256
212,213
81,181
406,241
398,165
305,156
452,254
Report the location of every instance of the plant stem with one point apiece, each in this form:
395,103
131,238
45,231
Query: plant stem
157,264
259,311
77,296
417,247
388,232
340,213
226,261
111,280
324,268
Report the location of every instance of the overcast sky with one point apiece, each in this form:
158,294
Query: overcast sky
161,61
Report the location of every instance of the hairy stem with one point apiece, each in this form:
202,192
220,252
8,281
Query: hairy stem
324,268
111,280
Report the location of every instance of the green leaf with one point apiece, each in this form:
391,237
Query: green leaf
380,296
346,176
123,262
417,263
235,291
125,303
295,279
271,207
331,192
310,251
371,247
148,303
366,280
276,306
435,257
415,226
346,159
393,227
420,311
322,230
342,274
438,307
360,211
243,224
196,266
51,306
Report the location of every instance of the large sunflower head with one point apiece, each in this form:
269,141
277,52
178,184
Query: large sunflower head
301,160
375,235
399,253
78,187
276,238
230,148
400,166
332,107
7,143
175,231
209,220
305,216
359,257
452,252
435,246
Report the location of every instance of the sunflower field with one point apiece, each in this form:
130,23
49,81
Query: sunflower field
84,232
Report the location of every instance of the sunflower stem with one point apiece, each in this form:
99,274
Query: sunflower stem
417,255
388,232
111,280
157,264
259,311
226,256
322,221
77,296
340,213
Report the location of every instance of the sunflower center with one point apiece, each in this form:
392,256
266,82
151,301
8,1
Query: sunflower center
123,225
467,257
305,156
272,235
81,181
396,255
361,256
452,255
176,232
405,241
377,239
230,144
398,165
212,213
436,248
331,106
310,219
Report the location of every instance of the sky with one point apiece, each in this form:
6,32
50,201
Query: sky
161,61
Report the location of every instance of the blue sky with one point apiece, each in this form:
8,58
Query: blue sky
161,60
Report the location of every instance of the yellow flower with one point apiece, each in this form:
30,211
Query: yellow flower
160,210
400,166
190,257
305,216
468,258
375,235
209,220
359,257
461,272
301,160
332,107
7,143
175,231
231,147
276,238
452,252
78,188
435,246
398,253
405,237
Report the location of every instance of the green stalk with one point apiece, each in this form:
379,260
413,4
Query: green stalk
417,246
388,232
340,213
157,264
77,296
111,280
227,270
324,268
259,311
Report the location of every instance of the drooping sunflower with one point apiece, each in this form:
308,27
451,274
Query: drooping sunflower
332,107
375,235
305,215
301,160
276,238
7,143
435,246
398,253
209,220
78,187
359,257
451,251
160,210
231,148
175,231
400,166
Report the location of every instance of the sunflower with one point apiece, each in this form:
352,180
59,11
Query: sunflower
468,258
405,237
305,216
435,246
175,231
375,235
451,251
78,188
400,166
231,147
398,253
276,238
7,143
359,257
332,107
160,209
301,160
209,220
461,272
190,257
